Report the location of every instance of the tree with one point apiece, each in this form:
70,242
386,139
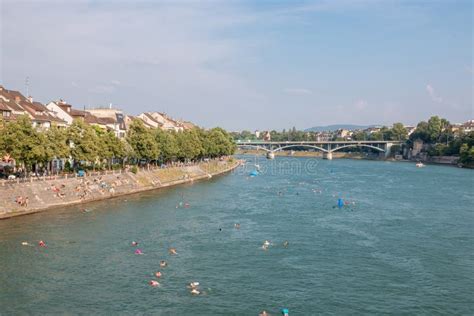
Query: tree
143,142
217,142
190,145
359,135
56,144
84,143
399,132
435,127
168,144
22,142
110,147
421,132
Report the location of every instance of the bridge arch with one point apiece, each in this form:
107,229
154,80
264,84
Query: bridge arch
301,145
358,145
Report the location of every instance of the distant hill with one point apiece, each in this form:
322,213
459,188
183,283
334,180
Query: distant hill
335,127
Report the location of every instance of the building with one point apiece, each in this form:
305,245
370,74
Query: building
468,126
5,111
164,122
14,104
343,133
59,113
267,136
112,119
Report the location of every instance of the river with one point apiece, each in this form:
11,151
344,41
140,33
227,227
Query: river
403,245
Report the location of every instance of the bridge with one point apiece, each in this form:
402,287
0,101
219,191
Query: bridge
327,147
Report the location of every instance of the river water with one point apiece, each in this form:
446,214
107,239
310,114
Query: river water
403,245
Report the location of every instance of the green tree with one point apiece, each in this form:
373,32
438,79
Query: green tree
142,140
190,145
22,142
84,143
399,132
55,144
435,127
168,144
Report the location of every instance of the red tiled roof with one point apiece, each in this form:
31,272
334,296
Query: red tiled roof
3,106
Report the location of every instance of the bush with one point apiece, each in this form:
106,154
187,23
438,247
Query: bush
134,169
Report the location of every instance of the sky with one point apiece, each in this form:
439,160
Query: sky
246,64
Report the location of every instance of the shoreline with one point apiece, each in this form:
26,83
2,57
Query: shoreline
148,180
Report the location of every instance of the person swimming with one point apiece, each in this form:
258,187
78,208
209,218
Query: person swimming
286,244
195,292
193,285
154,283
263,313
163,263
172,251
41,243
158,274
237,226
134,243
138,252
25,243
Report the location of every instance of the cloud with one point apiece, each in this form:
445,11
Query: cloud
432,93
361,104
298,91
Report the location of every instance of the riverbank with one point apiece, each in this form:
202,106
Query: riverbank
31,197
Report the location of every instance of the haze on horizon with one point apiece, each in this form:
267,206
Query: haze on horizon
246,64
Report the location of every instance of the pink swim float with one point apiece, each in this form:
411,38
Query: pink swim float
138,252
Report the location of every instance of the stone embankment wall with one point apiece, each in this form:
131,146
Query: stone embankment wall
43,194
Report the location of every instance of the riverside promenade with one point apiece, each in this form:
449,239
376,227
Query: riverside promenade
26,197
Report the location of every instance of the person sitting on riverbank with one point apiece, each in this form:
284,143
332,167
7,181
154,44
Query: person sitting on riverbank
22,201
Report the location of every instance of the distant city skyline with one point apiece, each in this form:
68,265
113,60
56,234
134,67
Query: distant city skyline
246,64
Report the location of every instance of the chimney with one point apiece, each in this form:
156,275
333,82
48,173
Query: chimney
30,98
17,99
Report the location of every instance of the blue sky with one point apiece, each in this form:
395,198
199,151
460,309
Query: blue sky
247,64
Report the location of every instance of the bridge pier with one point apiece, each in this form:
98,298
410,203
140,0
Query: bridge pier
388,147
327,155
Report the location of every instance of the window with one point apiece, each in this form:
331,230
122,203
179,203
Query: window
6,113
